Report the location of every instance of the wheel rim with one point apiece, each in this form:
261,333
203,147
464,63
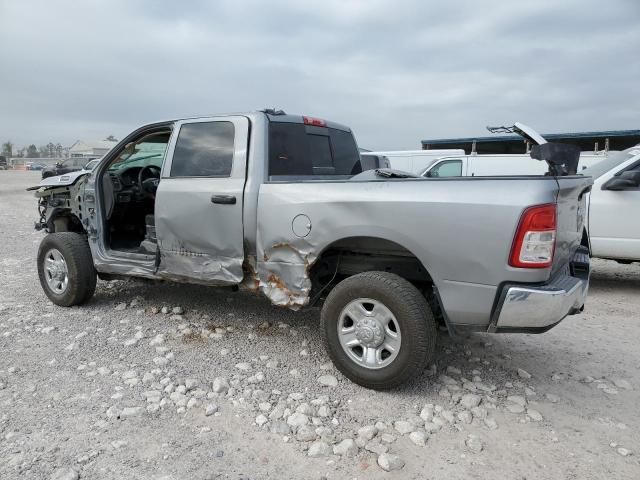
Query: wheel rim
56,271
369,333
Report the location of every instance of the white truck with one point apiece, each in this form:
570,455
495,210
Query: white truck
415,161
613,205
475,165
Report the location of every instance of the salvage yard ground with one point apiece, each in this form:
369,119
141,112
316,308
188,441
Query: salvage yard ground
224,385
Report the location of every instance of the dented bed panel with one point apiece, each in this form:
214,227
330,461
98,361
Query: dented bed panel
460,233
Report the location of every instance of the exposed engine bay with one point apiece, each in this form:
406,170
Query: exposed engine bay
128,187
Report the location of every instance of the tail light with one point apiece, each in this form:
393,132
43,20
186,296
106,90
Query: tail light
316,122
535,239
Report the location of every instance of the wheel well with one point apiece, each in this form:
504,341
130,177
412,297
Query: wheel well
353,255
64,221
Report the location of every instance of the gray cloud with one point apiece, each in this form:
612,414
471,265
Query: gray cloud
396,72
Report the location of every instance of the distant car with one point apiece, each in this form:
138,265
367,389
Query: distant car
33,166
3,162
69,165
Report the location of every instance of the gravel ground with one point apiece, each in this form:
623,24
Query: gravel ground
226,386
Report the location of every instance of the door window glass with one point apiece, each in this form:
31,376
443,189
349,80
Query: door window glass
450,168
204,149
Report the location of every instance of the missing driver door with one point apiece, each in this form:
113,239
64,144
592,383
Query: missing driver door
198,210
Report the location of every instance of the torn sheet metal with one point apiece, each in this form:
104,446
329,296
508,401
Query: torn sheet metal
283,273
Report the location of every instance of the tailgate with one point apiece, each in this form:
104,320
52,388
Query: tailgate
572,204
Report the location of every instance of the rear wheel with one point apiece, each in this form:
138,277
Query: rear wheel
65,268
378,329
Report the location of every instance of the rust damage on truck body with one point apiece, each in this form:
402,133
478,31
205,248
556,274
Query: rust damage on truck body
283,273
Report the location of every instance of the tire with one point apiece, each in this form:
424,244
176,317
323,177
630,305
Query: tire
76,259
411,317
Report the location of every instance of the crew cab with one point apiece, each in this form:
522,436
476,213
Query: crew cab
279,204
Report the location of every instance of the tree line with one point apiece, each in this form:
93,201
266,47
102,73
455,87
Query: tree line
50,150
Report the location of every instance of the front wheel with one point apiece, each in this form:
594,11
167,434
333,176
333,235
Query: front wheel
65,268
378,329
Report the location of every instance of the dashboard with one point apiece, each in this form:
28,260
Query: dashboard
125,184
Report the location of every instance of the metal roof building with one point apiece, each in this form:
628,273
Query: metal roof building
587,141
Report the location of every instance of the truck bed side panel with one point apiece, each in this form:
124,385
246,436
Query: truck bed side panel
460,229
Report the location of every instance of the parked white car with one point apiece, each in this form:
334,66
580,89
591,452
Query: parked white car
613,205
497,165
415,161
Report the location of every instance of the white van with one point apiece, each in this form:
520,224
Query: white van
416,161
497,165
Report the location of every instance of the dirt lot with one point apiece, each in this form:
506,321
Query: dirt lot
115,390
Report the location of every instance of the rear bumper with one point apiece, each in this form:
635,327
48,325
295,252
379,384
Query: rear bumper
537,308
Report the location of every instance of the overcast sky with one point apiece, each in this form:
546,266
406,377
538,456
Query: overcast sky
395,71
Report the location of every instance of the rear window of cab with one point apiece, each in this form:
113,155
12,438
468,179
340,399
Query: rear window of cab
309,151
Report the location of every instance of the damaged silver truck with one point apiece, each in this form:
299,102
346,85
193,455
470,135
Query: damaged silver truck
279,204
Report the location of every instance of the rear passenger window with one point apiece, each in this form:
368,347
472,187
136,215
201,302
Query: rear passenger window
299,150
203,149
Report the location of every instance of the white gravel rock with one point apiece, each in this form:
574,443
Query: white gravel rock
448,416
367,433
280,427
403,427
453,370
534,415
474,444
470,400
426,413
210,409
491,424
261,420
328,380
346,448
624,451
297,420
376,447
389,462
621,383
319,449
515,408
244,366
419,438
517,399
65,474
220,385
465,416
524,374
131,412
305,433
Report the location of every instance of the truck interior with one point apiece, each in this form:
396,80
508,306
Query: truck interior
129,185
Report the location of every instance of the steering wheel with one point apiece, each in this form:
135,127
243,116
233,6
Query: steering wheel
148,186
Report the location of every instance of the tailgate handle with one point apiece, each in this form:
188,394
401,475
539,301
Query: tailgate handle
223,199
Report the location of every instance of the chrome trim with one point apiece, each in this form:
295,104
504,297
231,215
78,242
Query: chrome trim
539,307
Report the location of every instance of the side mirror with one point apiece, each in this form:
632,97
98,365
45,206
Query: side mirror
631,175
620,183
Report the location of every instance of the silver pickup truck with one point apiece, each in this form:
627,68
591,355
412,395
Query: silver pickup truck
279,204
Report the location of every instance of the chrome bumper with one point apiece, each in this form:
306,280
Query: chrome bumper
538,308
